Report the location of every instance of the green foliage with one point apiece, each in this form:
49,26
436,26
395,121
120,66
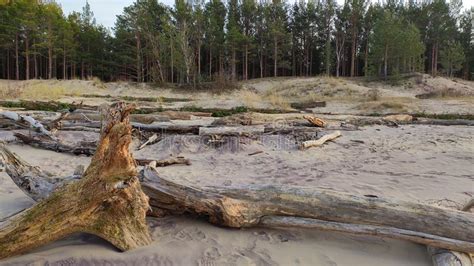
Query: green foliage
198,41
396,46
452,57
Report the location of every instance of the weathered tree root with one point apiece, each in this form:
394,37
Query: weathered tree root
108,201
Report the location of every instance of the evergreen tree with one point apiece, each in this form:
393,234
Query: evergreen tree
452,57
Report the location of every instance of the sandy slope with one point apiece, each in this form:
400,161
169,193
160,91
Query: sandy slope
343,95
419,163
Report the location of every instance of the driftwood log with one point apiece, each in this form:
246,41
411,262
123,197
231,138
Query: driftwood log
320,141
232,131
24,121
252,206
85,147
445,257
104,201
315,121
107,201
273,206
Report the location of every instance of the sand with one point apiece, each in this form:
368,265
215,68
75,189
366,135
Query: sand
429,164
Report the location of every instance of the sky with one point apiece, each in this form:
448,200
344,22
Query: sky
105,11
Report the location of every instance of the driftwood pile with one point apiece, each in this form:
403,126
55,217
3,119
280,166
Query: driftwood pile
112,198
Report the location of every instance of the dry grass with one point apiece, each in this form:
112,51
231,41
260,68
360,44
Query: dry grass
9,92
443,93
250,98
96,82
373,94
277,101
43,91
386,105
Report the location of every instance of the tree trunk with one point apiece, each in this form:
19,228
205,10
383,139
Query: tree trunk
82,69
8,64
353,50
433,59
64,63
366,59
172,62
138,47
35,60
199,59
27,59
436,59
275,57
50,62
234,68
108,200
17,64
251,206
246,64
385,62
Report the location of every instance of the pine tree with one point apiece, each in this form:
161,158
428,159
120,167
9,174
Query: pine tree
452,57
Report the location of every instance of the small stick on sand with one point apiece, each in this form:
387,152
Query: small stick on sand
320,141
255,153
315,121
150,140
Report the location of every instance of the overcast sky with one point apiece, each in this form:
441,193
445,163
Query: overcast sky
106,10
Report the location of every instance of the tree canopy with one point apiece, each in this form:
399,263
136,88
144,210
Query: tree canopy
197,41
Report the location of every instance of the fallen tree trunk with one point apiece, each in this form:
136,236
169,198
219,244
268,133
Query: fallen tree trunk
445,257
358,229
246,207
232,131
85,147
31,180
165,162
161,127
24,121
107,201
322,209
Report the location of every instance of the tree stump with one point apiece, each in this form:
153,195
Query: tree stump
107,201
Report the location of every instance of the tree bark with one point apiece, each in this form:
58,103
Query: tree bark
234,68
8,64
27,59
50,61
248,206
246,64
353,49
138,63
64,63
210,63
17,57
108,201
232,131
385,62
275,57
35,60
